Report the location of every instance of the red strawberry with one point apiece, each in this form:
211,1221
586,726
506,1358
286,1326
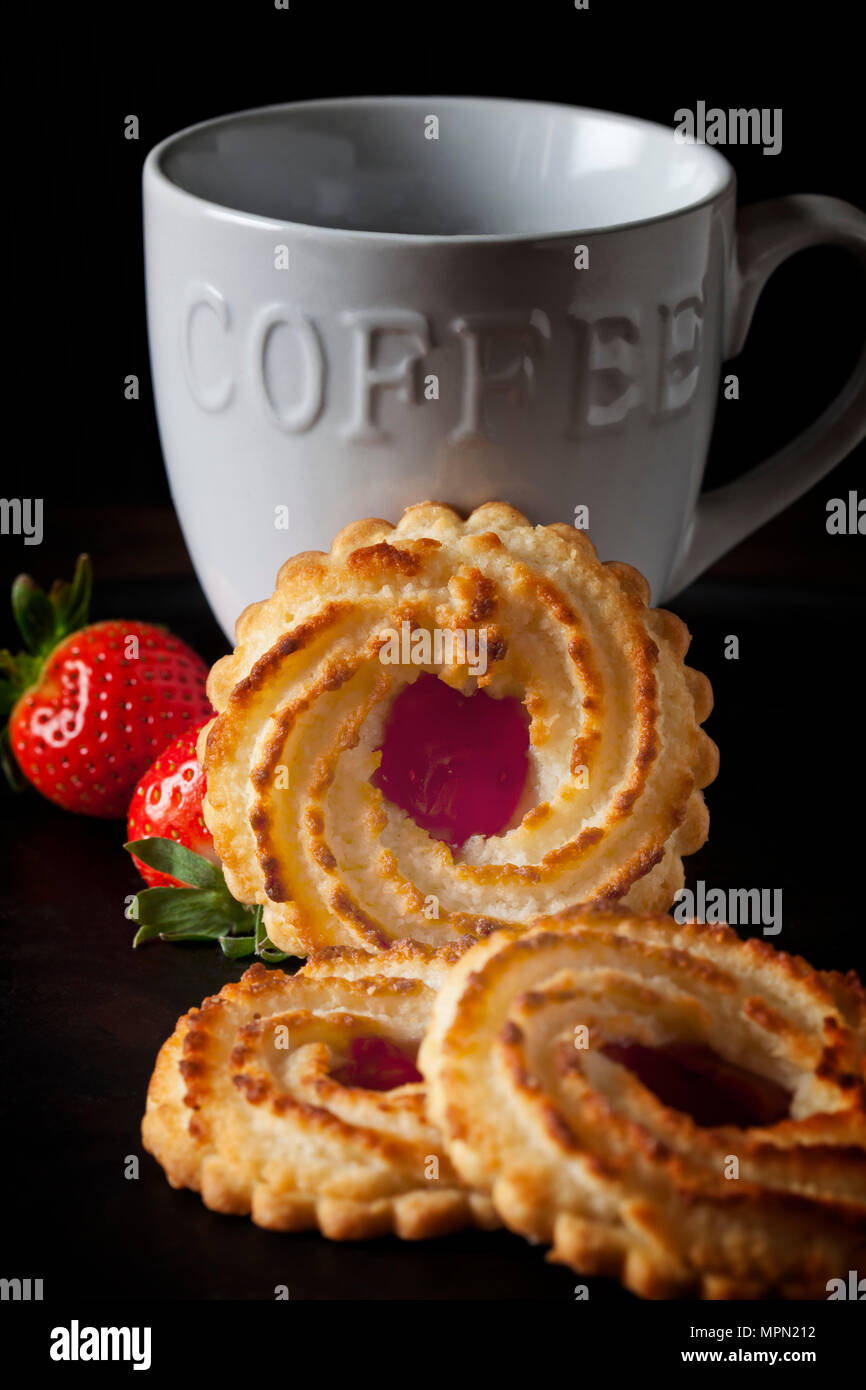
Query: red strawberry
98,702
167,803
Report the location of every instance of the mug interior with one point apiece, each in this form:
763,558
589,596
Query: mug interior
498,167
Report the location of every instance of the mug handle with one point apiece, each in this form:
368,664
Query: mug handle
767,234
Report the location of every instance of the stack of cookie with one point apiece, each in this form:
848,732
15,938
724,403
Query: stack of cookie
504,1029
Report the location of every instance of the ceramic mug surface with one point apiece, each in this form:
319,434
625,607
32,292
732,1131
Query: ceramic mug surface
362,303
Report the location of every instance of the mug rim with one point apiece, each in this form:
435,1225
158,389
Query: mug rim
154,173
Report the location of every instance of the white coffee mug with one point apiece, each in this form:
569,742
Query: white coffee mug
358,304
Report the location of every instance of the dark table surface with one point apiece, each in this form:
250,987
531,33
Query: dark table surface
85,1014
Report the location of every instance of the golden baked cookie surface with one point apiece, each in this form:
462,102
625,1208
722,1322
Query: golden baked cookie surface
530,1062
257,1103
617,756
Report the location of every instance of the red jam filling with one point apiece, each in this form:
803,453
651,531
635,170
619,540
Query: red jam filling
696,1080
376,1064
455,763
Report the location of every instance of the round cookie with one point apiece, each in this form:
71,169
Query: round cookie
617,758
295,1098
664,1104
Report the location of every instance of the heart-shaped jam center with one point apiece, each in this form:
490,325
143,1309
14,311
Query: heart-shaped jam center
376,1064
696,1080
457,764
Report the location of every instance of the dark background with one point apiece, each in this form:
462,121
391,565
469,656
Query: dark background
84,1015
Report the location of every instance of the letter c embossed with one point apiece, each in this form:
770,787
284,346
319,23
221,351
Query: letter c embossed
218,394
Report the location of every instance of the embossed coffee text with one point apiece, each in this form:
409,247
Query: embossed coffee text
485,365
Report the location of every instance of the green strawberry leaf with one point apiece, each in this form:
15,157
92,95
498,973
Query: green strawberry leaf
270,954
171,857
259,945
177,914
236,947
264,947
33,614
71,601
204,912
